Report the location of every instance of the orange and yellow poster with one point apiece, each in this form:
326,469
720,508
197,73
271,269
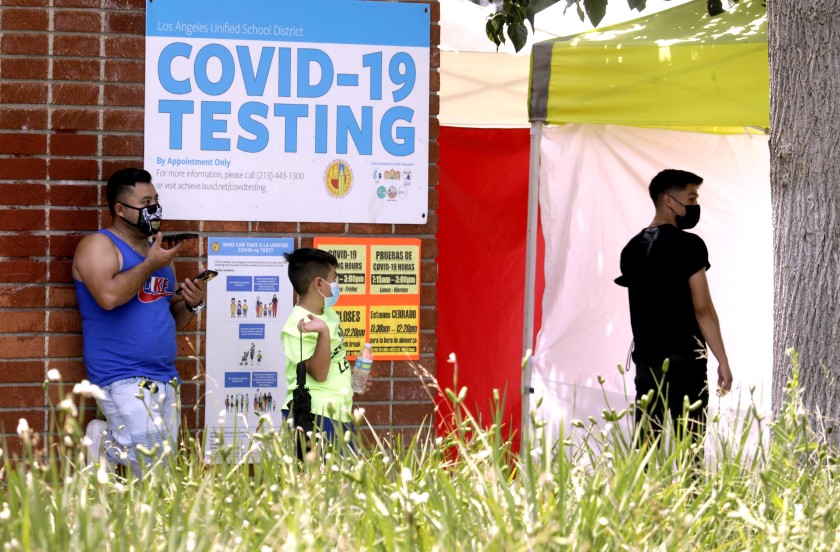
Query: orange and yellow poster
380,294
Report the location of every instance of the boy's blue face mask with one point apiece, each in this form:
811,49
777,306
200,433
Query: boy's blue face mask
333,299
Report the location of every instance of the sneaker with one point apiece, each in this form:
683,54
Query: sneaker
94,432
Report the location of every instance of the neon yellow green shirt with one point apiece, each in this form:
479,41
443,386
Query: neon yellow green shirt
332,397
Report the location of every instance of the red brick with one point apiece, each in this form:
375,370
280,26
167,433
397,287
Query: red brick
75,69
24,44
125,47
434,81
414,391
74,194
428,342
19,143
22,245
76,45
77,21
434,177
434,128
26,3
76,3
423,368
64,245
428,248
65,321
434,58
62,296
75,119
65,346
322,227
378,415
428,319
75,94
110,166
382,229
414,414
224,226
27,296
380,391
74,144
125,71
188,346
23,271
22,322
181,226
434,13
22,219
61,272
275,227
24,68
434,107
132,95
124,4
428,272
17,346
74,169
36,419
428,295
125,23
25,20
126,120
189,393
23,93
22,371
23,118
123,146
434,199
70,370
23,194
187,368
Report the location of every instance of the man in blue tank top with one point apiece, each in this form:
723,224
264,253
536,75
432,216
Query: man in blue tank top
125,286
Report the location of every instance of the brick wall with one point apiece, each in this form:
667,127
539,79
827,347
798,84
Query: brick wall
71,113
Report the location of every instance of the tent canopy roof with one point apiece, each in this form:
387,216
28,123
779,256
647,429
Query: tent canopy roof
678,68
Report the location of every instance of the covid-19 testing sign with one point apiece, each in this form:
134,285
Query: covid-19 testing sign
288,111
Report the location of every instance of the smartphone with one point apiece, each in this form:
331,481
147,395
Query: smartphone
205,276
172,239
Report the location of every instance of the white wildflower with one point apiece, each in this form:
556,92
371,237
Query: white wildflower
452,359
419,498
5,513
53,375
23,430
405,474
88,390
67,405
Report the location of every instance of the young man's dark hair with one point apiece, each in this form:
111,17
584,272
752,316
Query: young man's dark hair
671,179
121,180
306,263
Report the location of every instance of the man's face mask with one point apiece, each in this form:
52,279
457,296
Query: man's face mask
149,220
691,217
332,300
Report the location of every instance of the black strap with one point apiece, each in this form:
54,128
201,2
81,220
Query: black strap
301,367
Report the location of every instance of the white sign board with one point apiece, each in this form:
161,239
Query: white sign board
247,305
285,111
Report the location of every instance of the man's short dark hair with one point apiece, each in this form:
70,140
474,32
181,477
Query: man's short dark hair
671,179
305,264
121,181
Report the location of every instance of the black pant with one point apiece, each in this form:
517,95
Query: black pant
686,377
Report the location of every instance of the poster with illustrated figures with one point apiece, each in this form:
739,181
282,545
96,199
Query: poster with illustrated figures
247,305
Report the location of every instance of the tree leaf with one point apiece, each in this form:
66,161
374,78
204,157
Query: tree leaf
580,12
715,7
518,34
637,5
490,29
596,10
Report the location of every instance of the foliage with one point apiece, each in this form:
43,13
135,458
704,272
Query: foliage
592,490
511,15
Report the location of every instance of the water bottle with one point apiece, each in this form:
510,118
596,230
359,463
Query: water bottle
364,360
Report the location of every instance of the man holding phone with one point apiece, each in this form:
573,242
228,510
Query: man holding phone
126,290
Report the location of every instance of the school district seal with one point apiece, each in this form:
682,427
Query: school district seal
338,178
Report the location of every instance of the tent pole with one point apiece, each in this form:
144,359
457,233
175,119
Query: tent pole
530,281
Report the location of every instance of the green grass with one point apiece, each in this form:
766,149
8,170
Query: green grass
593,490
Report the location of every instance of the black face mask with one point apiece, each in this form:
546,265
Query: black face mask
691,217
149,220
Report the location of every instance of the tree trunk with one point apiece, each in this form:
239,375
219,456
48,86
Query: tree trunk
804,43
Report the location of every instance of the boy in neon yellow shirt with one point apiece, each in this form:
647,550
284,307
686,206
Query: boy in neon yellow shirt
328,374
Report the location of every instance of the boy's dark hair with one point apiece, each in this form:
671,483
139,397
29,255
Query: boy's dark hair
305,264
121,180
671,179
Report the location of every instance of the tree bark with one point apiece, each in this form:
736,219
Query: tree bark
804,44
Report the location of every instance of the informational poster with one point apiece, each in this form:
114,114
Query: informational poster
288,111
247,305
380,294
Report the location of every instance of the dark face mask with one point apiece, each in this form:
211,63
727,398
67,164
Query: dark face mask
691,217
149,220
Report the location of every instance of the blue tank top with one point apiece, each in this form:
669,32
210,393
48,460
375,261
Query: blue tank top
134,339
